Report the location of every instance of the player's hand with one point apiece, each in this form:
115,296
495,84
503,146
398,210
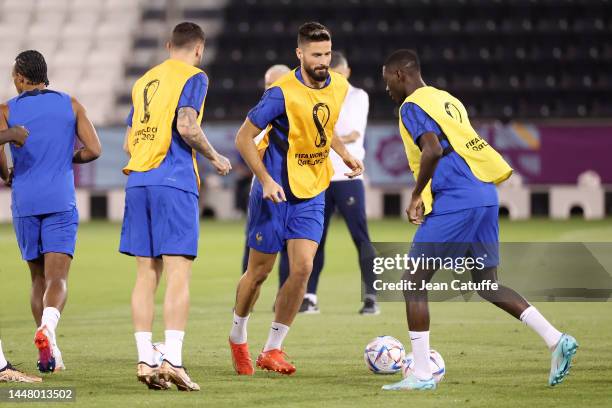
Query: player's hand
273,191
416,210
355,165
221,164
19,135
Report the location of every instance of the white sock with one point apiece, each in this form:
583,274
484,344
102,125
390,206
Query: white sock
238,334
278,331
420,350
145,347
50,318
538,323
3,361
174,347
312,297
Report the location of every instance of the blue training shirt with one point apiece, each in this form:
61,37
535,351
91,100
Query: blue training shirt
43,180
271,110
453,184
176,170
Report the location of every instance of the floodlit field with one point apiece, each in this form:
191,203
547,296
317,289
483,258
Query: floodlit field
491,359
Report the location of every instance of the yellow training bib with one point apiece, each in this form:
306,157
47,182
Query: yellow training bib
312,115
450,114
155,97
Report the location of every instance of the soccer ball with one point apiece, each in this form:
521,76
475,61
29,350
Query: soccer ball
159,351
436,362
384,355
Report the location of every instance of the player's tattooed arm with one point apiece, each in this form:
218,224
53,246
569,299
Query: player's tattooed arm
191,132
431,152
351,162
87,134
246,146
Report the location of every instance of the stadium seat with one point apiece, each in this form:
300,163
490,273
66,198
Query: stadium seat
83,202
515,197
588,195
5,205
115,205
76,37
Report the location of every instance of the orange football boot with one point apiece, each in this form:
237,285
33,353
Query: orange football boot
274,360
242,359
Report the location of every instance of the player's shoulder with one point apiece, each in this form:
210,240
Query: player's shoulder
200,76
338,79
411,109
275,92
62,94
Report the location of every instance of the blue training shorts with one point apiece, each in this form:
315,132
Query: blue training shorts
472,231
271,224
160,220
41,234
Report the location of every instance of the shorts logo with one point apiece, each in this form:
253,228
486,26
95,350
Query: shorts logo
259,237
351,201
320,116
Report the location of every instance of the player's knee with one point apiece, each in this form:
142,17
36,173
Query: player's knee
56,282
258,273
301,269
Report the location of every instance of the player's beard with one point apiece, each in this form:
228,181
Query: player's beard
319,75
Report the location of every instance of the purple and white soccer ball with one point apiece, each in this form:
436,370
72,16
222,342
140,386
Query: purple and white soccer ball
384,355
159,352
436,362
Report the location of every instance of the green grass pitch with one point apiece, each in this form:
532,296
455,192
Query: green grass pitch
491,359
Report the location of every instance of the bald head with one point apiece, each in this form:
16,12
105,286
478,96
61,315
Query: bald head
275,72
339,64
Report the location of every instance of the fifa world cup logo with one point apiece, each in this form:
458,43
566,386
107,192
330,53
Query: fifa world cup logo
320,116
149,92
453,112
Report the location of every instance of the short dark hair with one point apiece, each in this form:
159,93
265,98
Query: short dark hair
32,65
403,58
313,32
187,34
337,59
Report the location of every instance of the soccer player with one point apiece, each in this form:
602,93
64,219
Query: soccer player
45,216
272,74
287,199
8,373
454,201
161,220
346,195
